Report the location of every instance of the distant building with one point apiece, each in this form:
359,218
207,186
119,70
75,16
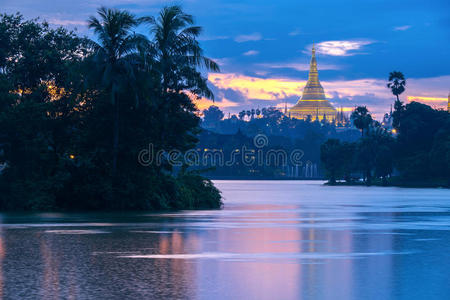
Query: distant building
342,119
313,104
387,120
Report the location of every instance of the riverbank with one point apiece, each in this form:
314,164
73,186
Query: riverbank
397,182
260,178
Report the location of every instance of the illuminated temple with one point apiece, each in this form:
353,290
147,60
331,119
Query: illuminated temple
313,103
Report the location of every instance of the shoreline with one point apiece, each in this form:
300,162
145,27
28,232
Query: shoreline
392,183
401,184
263,178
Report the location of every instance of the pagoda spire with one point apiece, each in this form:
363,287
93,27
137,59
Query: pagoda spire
313,73
313,101
313,89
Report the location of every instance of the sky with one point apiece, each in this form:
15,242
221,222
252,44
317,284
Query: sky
263,47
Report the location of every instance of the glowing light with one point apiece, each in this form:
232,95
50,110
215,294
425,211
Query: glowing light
71,156
425,99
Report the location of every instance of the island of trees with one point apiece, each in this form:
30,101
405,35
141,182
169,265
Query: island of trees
75,112
414,153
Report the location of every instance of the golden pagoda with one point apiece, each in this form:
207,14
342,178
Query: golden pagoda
313,104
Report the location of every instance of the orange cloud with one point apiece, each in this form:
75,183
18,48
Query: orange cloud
205,103
257,88
435,102
379,97
425,99
280,88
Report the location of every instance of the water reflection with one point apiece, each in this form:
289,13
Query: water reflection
274,240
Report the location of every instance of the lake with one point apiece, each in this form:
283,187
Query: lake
272,240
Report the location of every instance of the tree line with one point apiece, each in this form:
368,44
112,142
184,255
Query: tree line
414,152
75,112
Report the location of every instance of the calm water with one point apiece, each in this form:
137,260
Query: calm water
273,240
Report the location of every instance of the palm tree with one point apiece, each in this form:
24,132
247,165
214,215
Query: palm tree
264,111
116,41
396,83
361,118
178,52
177,55
242,115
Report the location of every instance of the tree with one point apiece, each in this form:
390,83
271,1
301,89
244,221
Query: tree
37,119
347,154
263,111
330,153
399,109
114,31
361,118
178,55
178,52
212,116
384,156
258,112
65,100
440,153
338,159
420,129
396,83
242,115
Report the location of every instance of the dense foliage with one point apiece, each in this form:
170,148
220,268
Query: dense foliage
283,134
417,150
75,113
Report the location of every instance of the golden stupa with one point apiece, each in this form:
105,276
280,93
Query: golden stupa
313,103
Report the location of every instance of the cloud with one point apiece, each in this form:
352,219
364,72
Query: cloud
341,48
248,37
213,38
370,92
204,103
251,53
257,88
295,32
402,28
63,22
434,102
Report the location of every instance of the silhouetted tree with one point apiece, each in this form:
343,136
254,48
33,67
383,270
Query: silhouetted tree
65,101
212,115
396,83
330,154
361,118
114,31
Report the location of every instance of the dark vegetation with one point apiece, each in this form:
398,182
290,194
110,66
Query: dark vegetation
283,133
416,152
74,113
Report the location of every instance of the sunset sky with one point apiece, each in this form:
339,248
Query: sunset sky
263,47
